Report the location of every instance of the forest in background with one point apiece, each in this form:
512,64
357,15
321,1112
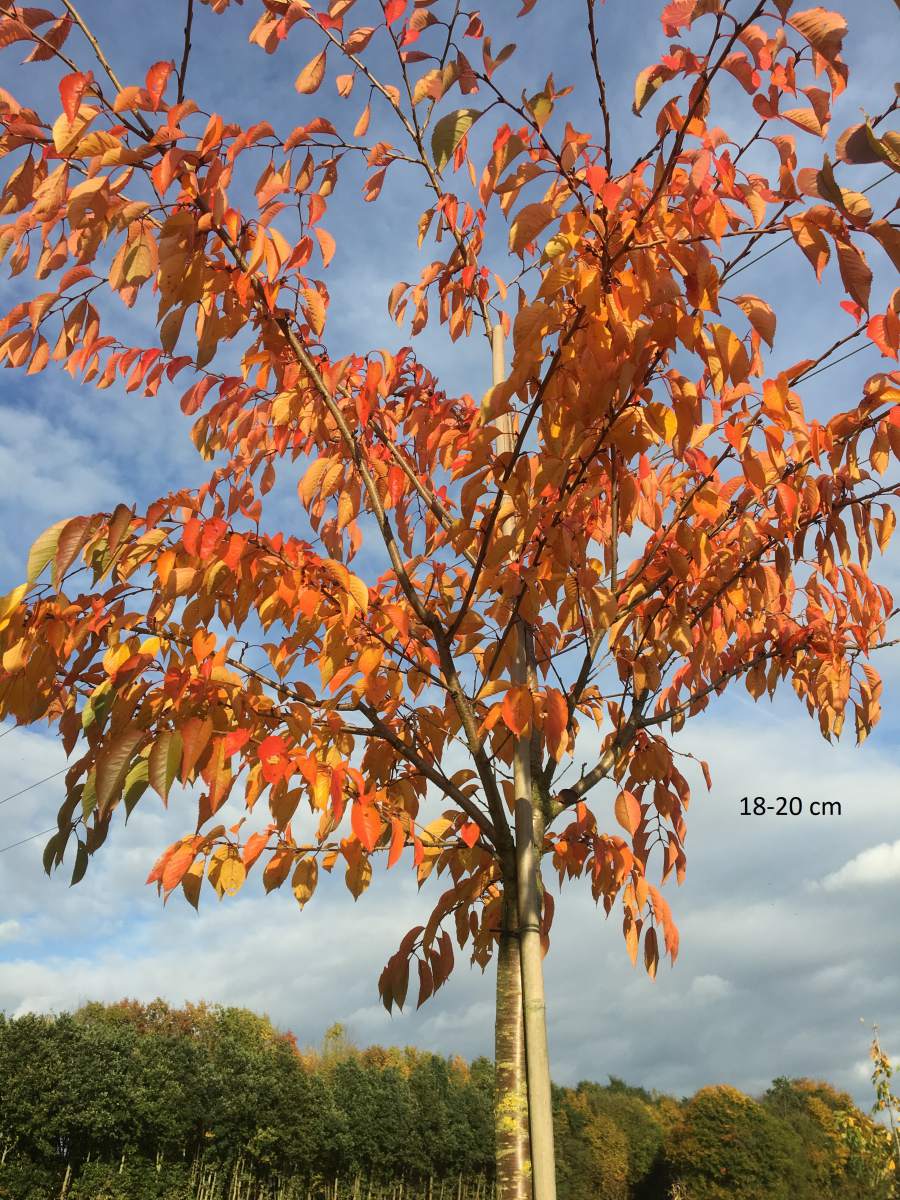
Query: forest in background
137,1101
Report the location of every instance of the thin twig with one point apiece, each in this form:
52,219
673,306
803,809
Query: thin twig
182,70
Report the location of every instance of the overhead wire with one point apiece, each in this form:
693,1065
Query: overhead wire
37,783
30,838
771,250
834,362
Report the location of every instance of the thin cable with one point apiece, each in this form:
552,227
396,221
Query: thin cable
30,838
23,790
760,257
843,358
771,250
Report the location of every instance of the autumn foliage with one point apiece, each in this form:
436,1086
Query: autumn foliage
640,513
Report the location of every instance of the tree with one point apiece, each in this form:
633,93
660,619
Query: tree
728,1145
639,513
885,1100
631,1110
845,1154
593,1151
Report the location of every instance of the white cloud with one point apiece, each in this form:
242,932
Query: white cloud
877,865
707,988
10,931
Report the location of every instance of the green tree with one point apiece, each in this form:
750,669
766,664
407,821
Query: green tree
729,1147
633,1113
592,1158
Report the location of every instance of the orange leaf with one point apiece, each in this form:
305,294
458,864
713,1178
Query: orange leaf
310,78
157,78
398,840
366,823
628,811
326,245
556,718
856,273
254,847
176,866
517,710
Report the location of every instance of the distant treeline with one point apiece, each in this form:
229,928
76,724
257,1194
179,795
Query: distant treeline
147,1102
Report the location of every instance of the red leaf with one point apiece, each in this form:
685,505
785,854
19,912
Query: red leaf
213,532
393,10
470,833
651,952
272,754
157,78
366,823
236,740
71,89
191,536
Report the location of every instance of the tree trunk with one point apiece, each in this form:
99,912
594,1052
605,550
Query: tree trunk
529,836
529,839
513,1155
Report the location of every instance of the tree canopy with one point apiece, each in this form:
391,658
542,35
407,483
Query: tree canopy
633,510
150,1102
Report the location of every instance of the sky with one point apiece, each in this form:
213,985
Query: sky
788,923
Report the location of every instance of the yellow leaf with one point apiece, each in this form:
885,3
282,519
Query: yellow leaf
644,87
311,482
304,879
449,132
10,602
66,133
15,657
531,324
43,550
138,263
358,591
231,876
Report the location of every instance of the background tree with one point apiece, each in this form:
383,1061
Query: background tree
227,1107
729,1145
638,513
886,1102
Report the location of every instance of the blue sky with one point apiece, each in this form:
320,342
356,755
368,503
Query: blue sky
788,924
